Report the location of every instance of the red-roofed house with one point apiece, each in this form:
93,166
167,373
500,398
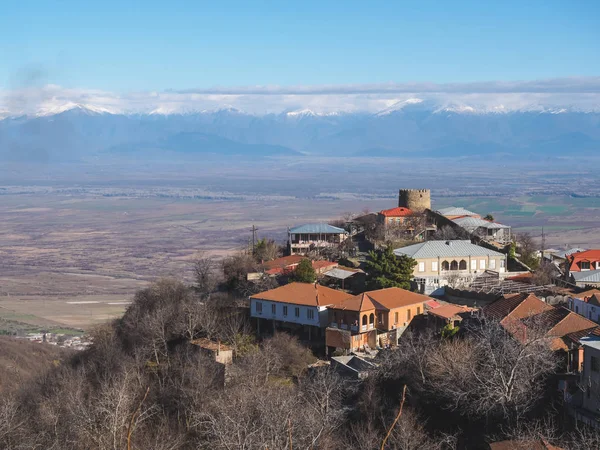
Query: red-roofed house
296,306
385,311
582,261
394,216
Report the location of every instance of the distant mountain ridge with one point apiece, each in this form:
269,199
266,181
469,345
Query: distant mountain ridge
410,128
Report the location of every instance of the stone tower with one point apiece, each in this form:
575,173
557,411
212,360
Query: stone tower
416,199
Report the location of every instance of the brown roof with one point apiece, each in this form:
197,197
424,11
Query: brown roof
360,302
449,311
394,297
283,262
210,345
585,294
515,306
571,323
308,294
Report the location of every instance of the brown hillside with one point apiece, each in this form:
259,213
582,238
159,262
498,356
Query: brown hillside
20,360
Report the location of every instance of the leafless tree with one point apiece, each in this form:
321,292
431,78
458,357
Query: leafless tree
205,270
448,233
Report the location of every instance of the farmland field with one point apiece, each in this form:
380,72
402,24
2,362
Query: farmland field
73,251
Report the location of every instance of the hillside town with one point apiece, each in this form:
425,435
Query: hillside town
464,268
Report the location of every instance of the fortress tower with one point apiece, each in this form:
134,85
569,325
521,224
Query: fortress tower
416,199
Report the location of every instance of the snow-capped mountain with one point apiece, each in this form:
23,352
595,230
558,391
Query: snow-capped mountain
54,109
413,126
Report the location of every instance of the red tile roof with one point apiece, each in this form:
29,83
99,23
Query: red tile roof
280,263
449,311
394,297
360,302
396,212
588,255
308,294
382,299
515,306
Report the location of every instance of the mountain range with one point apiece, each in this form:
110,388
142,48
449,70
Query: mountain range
412,128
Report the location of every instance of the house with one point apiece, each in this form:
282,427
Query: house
586,305
560,256
300,307
348,277
373,318
563,328
485,229
453,212
221,353
303,238
583,261
590,380
441,261
286,265
352,366
585,277
394,216
448,314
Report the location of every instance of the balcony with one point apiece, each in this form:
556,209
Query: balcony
345,326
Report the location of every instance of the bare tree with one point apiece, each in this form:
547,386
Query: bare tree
205,270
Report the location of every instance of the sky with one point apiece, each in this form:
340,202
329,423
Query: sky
125,47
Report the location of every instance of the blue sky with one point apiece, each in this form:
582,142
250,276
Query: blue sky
123,46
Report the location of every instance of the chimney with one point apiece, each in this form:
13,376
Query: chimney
448,242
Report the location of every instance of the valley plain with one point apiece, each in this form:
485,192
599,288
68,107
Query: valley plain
77,241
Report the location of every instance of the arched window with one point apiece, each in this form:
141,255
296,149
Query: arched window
445,265
372,319
453,265
462,265
364,320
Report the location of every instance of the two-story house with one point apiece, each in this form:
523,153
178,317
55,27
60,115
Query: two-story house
583,268
303,238
300,307
374,318
439,261
394,216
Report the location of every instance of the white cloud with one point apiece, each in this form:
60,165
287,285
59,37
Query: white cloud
581,94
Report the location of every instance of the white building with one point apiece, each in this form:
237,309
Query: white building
459,261
295,305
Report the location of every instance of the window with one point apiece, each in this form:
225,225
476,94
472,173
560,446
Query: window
462,265
285,310
577,309
473,264
595,364
418,310
434,266
380,318
297,312
310,314
454,265
502,264
395,317
273,309
421,267
259,307
482,264
408,315
585,265
492,263
445,265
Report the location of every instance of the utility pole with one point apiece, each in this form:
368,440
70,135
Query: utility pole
254,230
543,244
